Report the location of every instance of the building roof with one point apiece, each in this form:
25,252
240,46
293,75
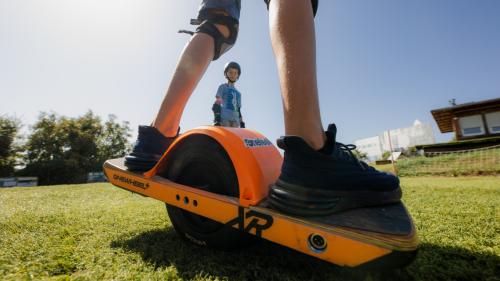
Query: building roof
395,154
444,116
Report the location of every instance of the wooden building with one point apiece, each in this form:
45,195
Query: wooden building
476,125
471,120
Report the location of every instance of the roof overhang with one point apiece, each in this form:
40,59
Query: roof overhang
444,116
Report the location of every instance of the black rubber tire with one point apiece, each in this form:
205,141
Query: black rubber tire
200,161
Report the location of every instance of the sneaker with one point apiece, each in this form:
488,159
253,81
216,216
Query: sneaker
315,184
148,149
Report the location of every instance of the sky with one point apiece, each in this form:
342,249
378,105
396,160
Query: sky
381,64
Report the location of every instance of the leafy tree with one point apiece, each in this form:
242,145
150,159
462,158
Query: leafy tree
360,155
47,140
114,141
63,150
9,145
386,154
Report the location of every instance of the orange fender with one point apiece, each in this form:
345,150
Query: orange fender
256,160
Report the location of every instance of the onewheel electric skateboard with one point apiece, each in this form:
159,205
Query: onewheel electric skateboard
214,181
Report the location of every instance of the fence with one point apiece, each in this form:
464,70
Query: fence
465,162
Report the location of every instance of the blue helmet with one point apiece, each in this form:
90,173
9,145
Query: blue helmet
233,65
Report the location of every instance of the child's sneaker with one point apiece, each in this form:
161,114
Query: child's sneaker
148,149
315,184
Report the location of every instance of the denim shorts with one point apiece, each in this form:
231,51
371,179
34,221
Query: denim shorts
233,7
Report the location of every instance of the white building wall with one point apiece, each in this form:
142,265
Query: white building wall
371,146
419,133
408,136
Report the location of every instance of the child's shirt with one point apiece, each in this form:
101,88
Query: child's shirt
231,102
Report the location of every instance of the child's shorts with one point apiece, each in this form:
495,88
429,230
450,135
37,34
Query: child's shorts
227,123
233,7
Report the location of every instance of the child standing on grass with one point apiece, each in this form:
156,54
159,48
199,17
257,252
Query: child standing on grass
227,106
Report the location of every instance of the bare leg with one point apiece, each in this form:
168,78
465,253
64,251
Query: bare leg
193,63
331,175
152,142
294,46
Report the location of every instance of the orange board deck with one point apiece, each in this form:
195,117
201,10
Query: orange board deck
366,238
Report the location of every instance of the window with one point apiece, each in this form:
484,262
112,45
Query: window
493,122
472,131
471,125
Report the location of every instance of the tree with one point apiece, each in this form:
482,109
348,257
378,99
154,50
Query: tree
386,154
114,142
360,155
47,140
9,144
63,150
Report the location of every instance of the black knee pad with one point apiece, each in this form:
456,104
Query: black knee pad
313,2
216,108
217,118
221,43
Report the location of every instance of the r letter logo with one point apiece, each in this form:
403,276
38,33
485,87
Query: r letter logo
240,220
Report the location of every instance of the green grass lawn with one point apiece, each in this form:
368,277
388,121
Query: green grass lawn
385,167
97,231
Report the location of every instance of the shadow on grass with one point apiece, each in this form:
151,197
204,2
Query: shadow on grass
261,260
454,263
265,260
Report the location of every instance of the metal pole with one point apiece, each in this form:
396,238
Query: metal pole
392,156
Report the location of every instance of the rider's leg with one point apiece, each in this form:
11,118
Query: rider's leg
314,182
152,141
193,63
295,51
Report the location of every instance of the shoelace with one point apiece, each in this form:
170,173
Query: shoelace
347,148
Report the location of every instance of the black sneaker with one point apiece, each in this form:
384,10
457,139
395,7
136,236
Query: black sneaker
315,184
148,149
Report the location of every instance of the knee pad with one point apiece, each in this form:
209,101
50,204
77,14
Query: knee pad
216,108
217,118
221,43
313,2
